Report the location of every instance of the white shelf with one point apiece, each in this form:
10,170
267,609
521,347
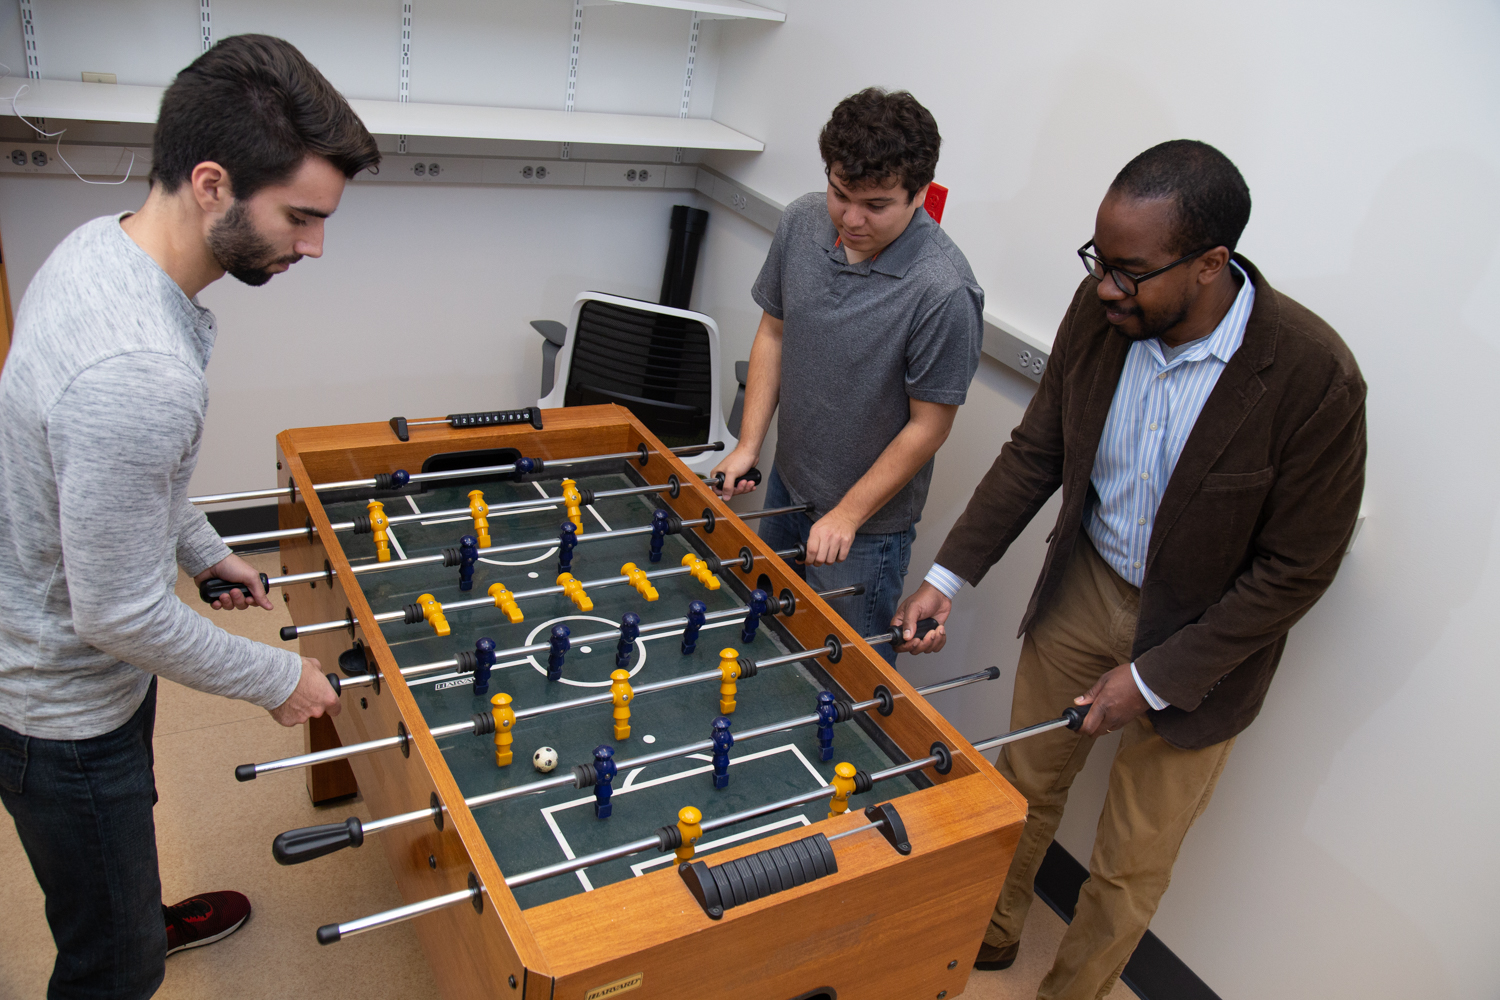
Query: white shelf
123,103
705,8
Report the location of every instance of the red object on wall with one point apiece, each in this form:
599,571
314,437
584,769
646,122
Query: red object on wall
937,197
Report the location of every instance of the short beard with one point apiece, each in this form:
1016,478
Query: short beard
242,251
1153,326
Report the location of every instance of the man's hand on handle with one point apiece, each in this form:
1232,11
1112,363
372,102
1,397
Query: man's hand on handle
734,467
1115,699
927,602
235,570
313,697
830,539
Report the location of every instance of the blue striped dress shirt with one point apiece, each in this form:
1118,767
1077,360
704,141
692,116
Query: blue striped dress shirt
1157,402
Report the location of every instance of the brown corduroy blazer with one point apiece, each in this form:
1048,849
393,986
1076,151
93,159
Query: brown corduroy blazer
1253,523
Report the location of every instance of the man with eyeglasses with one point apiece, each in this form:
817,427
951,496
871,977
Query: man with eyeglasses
1208,435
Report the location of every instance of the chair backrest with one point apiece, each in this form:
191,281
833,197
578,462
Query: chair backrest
659,362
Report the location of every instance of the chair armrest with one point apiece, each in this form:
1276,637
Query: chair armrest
554,331
741,372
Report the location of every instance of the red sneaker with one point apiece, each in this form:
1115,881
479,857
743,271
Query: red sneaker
204,919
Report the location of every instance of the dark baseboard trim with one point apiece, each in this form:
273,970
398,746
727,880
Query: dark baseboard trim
1153,972
243,521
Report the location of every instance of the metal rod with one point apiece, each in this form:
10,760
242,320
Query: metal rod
338,753
420,477
645,529
547,784
1020,734
327,935
336,624
852,831
499,509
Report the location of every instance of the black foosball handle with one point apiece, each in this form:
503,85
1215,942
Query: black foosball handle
751,476
213,588
296,846
920,631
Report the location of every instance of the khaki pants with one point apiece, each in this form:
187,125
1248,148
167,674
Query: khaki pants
1156,790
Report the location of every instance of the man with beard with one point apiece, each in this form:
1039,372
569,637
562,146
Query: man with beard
102,403
1208,434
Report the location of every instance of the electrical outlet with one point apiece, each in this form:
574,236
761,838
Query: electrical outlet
98,77
626,175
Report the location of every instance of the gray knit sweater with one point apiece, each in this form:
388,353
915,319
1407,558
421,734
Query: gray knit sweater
102,402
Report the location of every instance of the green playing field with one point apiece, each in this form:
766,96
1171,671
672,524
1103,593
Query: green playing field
542,829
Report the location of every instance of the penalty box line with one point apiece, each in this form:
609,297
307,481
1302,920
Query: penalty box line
549,812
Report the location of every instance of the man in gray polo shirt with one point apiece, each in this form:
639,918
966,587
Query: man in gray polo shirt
868,342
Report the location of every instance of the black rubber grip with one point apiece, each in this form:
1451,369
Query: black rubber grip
1075,714
398,424
329,933
751,476
296,846
213,588
245,772
288,633
333,682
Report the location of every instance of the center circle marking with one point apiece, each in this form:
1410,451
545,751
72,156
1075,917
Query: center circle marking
541,668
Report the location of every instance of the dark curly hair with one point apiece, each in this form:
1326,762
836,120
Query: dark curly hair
254,105
1213,200
874,135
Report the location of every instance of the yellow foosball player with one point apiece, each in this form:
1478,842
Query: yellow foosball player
433,612
729,671
480,512
690,828
700,571
621,690
639,581
506,602
843,783
573,500
379,524
505,718
574,590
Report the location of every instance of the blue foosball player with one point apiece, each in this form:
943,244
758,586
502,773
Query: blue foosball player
696,616
660,521
758,604
604,773
468,555
723,740
560,646
484,662
828,714
567,541
630,630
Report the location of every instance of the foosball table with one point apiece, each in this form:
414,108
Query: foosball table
613,742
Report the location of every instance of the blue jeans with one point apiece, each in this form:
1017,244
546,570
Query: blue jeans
877,561
83,812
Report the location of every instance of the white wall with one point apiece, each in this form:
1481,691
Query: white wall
1350,848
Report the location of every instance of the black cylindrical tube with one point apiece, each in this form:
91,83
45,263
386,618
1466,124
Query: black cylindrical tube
688,226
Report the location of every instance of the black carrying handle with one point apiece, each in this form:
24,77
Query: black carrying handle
213,588
296,846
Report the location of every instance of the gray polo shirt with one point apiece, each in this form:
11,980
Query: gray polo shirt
859,341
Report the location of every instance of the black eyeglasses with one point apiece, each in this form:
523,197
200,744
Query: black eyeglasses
1127,282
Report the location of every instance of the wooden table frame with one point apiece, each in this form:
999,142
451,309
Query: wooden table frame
883,925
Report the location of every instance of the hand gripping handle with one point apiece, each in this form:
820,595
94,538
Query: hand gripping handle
214,588
918,631
751,476
297,846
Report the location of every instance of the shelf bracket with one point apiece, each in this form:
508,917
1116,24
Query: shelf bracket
687,78
206,23
403,88
28,32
